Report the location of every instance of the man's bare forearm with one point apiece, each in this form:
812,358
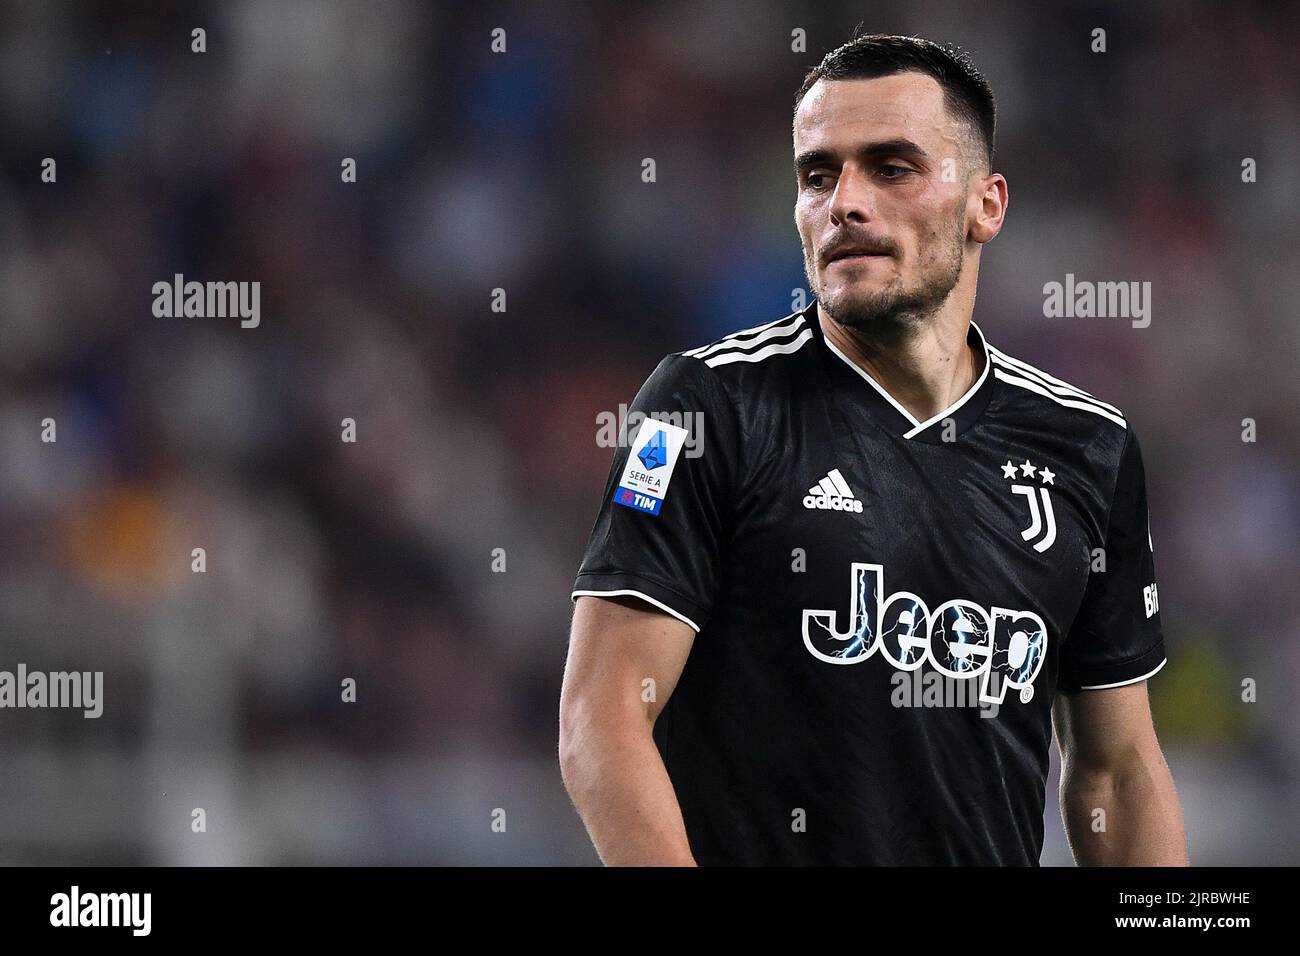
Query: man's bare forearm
1140,823
621,789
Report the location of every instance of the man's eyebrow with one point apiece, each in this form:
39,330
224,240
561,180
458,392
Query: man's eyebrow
812,157
889,147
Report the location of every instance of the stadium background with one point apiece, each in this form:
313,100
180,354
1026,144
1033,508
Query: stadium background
477,430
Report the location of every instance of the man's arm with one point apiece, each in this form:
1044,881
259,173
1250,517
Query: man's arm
1111,761
608,758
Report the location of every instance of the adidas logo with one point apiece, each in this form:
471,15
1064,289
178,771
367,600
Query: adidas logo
832,494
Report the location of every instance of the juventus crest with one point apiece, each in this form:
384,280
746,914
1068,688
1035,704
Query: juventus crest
1042,518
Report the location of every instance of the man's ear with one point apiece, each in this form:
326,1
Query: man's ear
991,210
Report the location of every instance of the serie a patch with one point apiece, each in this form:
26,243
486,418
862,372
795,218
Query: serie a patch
650,465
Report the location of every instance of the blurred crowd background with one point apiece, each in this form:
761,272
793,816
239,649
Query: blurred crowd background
476,430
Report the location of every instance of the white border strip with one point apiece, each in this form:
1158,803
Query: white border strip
740,332
1035,372
988,364
1042,390
645,597
871,381
767,351
1126,682
1042,378
748,337
918,427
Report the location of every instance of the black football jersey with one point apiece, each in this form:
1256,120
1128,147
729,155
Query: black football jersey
885,608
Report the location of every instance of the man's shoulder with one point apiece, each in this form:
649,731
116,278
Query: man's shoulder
744,369
1047,395
1099,433
754,346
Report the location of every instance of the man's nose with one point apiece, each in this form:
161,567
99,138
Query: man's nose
853,200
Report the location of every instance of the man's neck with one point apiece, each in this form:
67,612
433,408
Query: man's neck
925,371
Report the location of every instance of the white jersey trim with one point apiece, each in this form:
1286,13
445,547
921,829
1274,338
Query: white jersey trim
983,376
1068,402
767,351
1125,683
749,337
1053,384
872,382
643,596
919,426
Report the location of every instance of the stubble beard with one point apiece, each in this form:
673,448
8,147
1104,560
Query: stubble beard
894,313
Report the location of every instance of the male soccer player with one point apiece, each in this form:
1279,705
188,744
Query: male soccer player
857,560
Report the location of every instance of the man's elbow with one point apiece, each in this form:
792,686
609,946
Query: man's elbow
584,736
598,737
571,750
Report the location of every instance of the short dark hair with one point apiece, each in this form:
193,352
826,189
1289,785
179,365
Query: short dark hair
966,93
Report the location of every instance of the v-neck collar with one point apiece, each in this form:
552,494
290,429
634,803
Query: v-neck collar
892,416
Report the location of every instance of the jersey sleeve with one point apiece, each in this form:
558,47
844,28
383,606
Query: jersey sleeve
668,501
1116,637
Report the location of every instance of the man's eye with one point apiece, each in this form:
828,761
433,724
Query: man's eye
894,171
816,181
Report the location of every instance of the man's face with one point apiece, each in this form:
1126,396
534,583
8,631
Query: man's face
870,160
